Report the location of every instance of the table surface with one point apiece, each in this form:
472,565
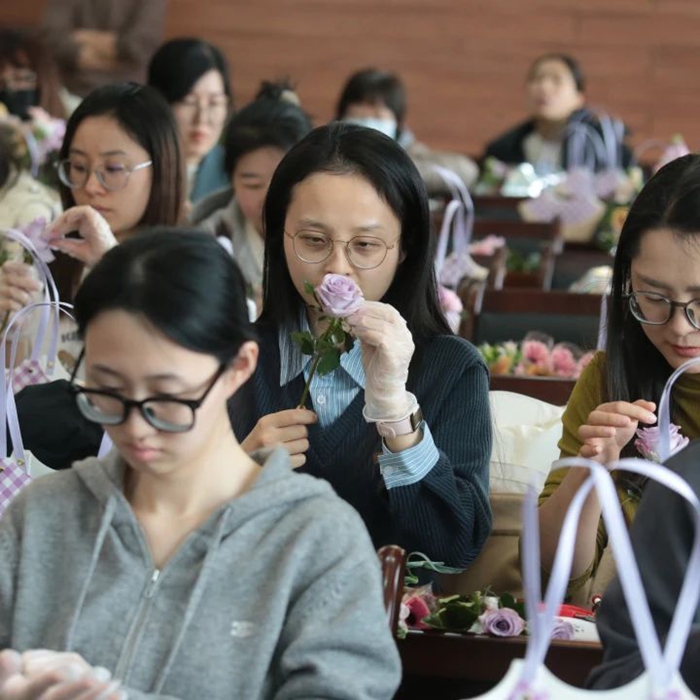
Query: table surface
487,659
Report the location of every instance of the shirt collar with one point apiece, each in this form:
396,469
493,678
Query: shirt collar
293,362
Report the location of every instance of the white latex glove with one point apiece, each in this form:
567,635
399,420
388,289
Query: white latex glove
387,349
96,237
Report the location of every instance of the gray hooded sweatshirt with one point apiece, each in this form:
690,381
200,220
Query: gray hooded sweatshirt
277,595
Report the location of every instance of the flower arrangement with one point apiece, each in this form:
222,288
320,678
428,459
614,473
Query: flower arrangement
36,142
537,355
337,297
481,612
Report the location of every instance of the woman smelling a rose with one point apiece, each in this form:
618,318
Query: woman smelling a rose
401,426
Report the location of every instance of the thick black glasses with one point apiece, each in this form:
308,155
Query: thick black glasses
169,415
656,309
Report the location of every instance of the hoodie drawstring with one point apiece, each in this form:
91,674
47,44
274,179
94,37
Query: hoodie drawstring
110,509
193,602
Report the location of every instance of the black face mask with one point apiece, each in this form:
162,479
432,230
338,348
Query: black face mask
19,101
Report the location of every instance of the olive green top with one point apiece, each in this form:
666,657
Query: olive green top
587,395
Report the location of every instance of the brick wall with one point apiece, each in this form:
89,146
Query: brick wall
463,60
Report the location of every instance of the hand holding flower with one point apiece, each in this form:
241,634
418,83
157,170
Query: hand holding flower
611,426
96,237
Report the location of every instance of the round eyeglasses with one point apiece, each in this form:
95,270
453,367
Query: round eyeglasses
656,309
168,415
213,111
75,174
363,252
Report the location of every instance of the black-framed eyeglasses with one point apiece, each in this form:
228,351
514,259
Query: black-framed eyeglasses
170,415
75,174
655,309
363,252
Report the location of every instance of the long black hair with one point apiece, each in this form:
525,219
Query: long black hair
670,200
180,63
271,120
348,149
181,281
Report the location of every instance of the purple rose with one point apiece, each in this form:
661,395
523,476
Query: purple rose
503,622
339,296
34,231
563,629
647,442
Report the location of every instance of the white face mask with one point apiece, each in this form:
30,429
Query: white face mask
386,126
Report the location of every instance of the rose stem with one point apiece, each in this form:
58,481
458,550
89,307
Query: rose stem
314,366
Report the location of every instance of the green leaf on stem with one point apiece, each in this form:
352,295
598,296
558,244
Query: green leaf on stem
329,361
305,341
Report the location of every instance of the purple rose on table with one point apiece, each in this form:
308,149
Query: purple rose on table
503,622
339,296
563,629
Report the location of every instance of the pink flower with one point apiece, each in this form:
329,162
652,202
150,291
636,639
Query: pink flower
647,442
503,622
584,361
449,301
339,296
536,352
34,231
418,610
563,361
563,629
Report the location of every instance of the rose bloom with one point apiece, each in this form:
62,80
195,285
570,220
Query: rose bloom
563,629
339,296
449,301
563,361
647,442
418,611
535,351
503,622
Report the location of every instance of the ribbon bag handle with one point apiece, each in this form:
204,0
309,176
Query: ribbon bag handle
7,398
50,294
664,420
444,236
459,191
661,666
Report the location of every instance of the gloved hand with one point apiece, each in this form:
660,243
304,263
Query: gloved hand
387,349
96,237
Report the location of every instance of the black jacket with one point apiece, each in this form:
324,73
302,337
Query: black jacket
662,537
508,147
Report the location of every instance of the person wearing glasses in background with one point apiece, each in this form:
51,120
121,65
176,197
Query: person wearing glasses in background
193,76
653,327
120,169
187,568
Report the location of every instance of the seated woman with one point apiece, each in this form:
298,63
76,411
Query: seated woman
188,568
662,554
255,140
555,91
402,428
377,99
652,329
193,77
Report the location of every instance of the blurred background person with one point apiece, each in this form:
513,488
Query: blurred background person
193,76
255,141
555,91
98,42
29,76
377,99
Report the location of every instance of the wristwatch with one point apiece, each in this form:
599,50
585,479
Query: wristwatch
405,426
